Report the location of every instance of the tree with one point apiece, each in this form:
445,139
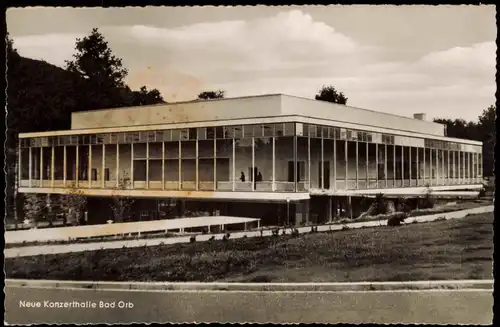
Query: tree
73,205
487,132
330,94
211,95
34,205
95,62
121,204
147,97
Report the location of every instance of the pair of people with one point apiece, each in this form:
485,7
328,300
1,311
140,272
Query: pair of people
258,178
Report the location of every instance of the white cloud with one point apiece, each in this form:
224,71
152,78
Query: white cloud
291,53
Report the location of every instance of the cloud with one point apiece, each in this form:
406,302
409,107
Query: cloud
291,52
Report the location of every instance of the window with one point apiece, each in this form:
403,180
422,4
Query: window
167,135
369,137
151,136
269,130
106,174
219,132
113,138
313,131
94,174
136,137
279,129
176,134
348,134
184,134
248,130
143,136
100,138
201,132
237,131
210,133
192,134
93,139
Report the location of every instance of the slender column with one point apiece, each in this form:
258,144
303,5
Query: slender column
385,164
322,185
357,163
117,165
443,175
180,166
295,163
254,183
103,167
308,186
77,165
132,165
215,164
409,163
273,183
402,166
41,166
438,172
425,165
335,163
197,164
394,165
64,166
454,166
163,165
376,163
19,162
234,164
366,166
448,166
89,168
30,166
52,164
431,178
346,156
147,164
418,167
469,157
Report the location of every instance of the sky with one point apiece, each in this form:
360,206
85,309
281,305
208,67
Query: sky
438,60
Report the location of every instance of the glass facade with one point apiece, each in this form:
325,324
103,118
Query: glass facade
281,157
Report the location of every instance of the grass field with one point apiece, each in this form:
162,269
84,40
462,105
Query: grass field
452,249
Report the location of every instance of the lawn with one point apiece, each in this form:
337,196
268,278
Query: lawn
452,249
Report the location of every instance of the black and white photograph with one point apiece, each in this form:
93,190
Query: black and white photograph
250,164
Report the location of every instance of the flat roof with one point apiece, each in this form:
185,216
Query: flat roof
248,108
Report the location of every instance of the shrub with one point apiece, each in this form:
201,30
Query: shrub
482,193
380,205
428,201
192,239
396,219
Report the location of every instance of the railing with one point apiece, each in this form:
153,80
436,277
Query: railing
225,186
243,186
171,185
155,185
285,186
267,186
188,185
206,185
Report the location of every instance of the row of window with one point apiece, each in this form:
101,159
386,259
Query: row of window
229,132
203,133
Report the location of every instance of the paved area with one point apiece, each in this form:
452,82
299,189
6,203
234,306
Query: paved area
66,233
129,306
52,249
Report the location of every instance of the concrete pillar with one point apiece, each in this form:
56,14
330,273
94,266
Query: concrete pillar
215,164
346,157
394,165
376,163
254,183
273,177
234,165
306,211
367,159
309,162
385,164
30,166
103,166
409,163
350,206
89,168
322,185
117,165
65,164
179,186
357,164
335,164
41,166
132,165
402,166
52,164
418,167
147,165
431,179
162,165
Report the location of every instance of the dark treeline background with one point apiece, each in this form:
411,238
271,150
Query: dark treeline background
41,97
